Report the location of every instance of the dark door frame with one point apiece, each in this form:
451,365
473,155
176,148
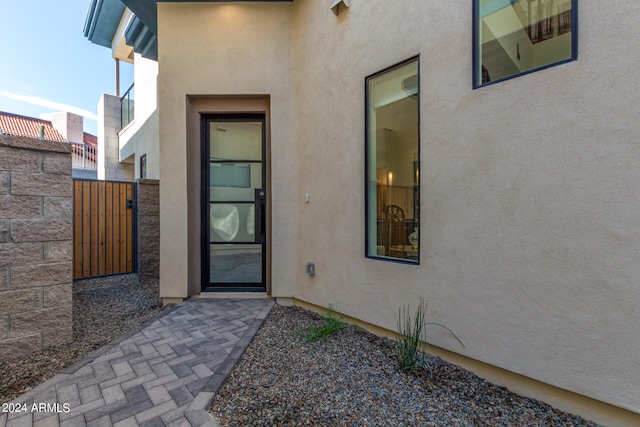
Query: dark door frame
260,212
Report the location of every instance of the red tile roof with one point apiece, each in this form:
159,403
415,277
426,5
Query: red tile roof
13,124
90,139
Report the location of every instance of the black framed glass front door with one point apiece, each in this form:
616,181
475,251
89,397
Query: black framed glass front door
233,202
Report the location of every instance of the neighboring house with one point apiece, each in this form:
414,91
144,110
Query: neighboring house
85,157
388,148
129,135
14,124
59,127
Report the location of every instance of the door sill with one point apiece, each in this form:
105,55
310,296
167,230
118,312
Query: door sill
234,289
231,294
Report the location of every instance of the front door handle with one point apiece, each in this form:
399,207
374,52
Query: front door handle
260,218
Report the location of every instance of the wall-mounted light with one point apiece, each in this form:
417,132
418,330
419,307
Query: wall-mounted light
311,268
339,6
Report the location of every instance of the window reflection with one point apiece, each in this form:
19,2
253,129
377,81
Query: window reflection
517,36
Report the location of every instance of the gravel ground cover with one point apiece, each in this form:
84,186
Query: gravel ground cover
352,379
103,309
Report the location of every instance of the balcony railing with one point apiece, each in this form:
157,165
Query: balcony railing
126,108
84,156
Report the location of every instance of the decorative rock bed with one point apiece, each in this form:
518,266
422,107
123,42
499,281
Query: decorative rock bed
352,379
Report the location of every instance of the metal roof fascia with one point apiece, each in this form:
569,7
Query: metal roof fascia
142,39
103,19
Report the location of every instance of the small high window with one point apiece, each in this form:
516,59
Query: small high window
143,166
515,37
392,163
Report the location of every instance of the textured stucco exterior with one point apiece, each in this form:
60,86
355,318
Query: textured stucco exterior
529,223
194,61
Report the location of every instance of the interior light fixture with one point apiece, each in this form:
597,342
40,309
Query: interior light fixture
339,6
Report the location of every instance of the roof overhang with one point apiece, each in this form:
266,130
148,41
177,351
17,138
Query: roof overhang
103,18
143,40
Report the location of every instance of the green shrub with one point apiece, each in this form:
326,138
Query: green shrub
330,325
410,333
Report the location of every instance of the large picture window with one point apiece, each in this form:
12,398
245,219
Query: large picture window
392,163
514,37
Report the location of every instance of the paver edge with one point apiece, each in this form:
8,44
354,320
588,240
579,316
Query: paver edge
224,370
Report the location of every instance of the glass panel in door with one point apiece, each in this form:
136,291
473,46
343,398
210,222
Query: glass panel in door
235,264
235,219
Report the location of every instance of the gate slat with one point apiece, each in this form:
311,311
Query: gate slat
86,229
101,228
94,228
116,228
123,227
109,228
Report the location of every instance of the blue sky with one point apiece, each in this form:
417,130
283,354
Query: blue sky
46,59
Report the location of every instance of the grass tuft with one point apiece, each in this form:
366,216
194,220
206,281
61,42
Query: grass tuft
409,335
330,325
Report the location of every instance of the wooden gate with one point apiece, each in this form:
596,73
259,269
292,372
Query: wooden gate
103,228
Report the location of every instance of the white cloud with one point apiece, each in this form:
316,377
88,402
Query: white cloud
50,104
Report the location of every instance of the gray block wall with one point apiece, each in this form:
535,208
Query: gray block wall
148,229
36,251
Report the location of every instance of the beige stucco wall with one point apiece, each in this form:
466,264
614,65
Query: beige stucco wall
222,50
196,105
529,225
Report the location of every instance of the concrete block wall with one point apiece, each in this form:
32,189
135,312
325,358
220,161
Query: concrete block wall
149,229
35,245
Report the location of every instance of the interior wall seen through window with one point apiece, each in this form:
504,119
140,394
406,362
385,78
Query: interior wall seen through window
393,163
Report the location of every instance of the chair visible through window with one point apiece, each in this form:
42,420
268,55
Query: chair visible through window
396,230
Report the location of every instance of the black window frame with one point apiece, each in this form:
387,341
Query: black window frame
143,166
405,261
476,47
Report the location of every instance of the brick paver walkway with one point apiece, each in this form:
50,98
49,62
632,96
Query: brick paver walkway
162,374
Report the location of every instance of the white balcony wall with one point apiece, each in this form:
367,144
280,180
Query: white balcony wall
140,137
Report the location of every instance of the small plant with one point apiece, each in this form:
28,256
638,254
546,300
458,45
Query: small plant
409,334
330,325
